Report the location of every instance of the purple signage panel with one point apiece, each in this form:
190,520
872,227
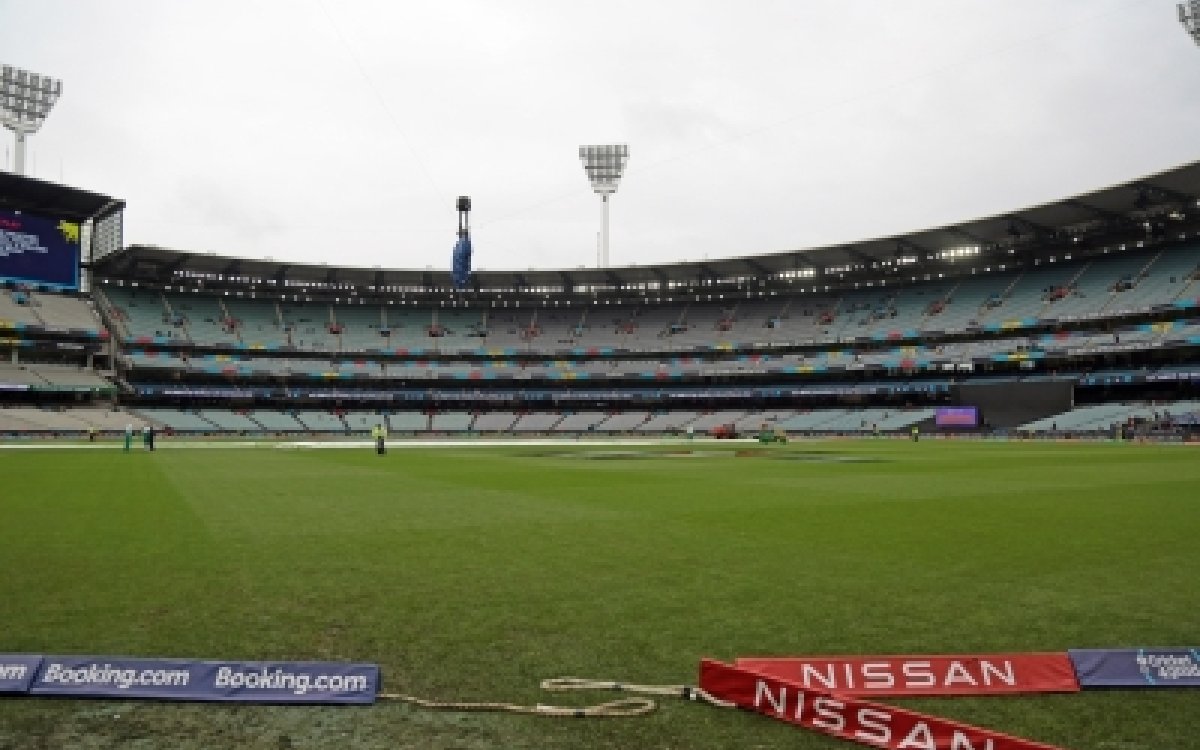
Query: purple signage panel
956,416
1137,667
188,680
17,671
39,250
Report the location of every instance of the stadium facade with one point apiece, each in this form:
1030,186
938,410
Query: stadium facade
1079,316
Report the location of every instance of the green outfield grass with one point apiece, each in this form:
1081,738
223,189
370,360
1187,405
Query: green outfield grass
473,573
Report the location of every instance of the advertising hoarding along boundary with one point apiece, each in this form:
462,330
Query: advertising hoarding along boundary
850,718
1137,667
17,672
191,680
915,675
956,416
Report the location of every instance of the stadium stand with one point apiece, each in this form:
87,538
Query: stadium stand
16,310
451,422
177,421
321,421
228,420
275,421
59,311
1100,292
706,422
1104,418
408,421
536,422
499,421
622,422
360,422
67,420
13,374
670,421
580,421
1070,290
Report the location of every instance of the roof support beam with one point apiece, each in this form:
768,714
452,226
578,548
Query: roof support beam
1021,223
801,260
859,256
168,270
906,247
1099,213
968,236
1149,189
756,268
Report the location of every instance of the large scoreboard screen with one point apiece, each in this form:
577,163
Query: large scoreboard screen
39,250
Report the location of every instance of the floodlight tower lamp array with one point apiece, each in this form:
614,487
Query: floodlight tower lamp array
25,100
1189,16
604,166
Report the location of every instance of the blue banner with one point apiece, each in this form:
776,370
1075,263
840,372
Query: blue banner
190,680
39,251
17,671
1140,667
461,266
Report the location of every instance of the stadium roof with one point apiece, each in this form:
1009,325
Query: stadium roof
1173,194
49,199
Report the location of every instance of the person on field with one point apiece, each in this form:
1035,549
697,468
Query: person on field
128,437
379,432
146,437
916,434
150,438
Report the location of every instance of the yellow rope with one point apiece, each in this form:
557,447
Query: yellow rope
623,707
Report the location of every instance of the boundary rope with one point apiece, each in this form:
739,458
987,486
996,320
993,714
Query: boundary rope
620,708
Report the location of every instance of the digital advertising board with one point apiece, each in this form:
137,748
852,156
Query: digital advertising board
957,416
38,250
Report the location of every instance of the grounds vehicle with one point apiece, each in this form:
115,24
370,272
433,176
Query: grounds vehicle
723,432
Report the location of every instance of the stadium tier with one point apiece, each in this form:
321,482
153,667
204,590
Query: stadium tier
1137,282
1025,317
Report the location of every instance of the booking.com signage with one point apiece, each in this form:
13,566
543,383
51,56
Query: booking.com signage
189,680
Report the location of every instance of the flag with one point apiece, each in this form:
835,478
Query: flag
461,267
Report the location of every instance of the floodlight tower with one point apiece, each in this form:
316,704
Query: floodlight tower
1189,16
25,100
604,166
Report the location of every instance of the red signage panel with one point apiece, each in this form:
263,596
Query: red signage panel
972,674
848,717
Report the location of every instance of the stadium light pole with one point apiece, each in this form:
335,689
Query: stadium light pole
1189,16
25,100
604,166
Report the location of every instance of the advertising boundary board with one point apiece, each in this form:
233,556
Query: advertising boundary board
197,680
17,672
1137,667
927,675
850,718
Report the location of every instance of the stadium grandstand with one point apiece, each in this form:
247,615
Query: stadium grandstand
1077,317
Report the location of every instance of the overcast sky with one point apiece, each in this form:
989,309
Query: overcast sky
341,131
